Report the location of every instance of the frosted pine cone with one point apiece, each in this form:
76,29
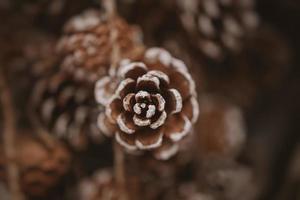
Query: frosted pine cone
153,106
219,26
86,46
67,109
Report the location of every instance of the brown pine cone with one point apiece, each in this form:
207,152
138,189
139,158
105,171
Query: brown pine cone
42,167
153,106
86,45
67,109
218,27
222,128
101,186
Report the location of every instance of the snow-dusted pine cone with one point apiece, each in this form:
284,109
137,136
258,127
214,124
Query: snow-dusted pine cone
153,105
67,109
86,45
218,27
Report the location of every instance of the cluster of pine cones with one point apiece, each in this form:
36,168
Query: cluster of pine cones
177,110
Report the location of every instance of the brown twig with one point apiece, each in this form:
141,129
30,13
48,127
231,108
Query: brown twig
119,157
119,171
110,8
9,134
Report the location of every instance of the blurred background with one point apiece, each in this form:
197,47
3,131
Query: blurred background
245,60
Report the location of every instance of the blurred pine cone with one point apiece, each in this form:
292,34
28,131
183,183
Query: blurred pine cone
42,165
66,108
101,186
63,102
86,48
153,106
222,130
218,27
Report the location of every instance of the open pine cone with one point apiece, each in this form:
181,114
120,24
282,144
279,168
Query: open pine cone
153,106
218,27
67,109
86,46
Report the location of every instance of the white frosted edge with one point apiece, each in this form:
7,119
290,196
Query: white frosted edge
122,125
160,75
179,64
161,102
126,101
47,108
175,137
127,67
137,109
108,110
196,109
142,94
142,146
102,126
235,126
125,61
158,54
151,111
61,125
168,153
100,93
81,114
160,121
178,100
123,84
191,81
141,122
123,143
148,77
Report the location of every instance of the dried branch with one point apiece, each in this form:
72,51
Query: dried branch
9,134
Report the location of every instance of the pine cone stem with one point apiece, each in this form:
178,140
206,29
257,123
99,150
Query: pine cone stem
9,134
111,11
119,167
110,7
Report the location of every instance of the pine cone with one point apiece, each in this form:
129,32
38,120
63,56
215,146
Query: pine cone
67,109
222,128
86,47
41,167
154,104
101,186
218,27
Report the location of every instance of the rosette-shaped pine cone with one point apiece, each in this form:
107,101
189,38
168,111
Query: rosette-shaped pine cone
86,45
66,109
153,106
218,27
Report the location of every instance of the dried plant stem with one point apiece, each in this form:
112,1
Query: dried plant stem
110,8
119,167
9,134
119,157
